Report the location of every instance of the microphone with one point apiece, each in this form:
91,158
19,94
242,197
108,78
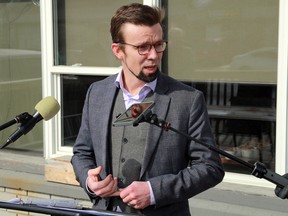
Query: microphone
131,172
18,119
45,109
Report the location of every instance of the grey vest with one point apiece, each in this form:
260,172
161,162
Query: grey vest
127,146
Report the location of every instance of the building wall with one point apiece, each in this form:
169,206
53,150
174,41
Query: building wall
26,185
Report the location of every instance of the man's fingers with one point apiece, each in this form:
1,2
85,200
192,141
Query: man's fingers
94,172
106,187
116,193
103,188
136,195
115,188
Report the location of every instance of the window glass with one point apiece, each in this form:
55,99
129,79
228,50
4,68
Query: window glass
20,66
84,32
233,41
82,38
228,49
74,88
82,29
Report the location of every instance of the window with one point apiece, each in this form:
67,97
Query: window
84,33
229,50
74,88
20,63
82,54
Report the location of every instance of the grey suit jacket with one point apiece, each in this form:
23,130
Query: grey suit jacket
176,167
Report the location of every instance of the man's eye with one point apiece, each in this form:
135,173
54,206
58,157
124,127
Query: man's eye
144,47
159,45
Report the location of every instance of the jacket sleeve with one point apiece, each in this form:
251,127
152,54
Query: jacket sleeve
83,158
203,170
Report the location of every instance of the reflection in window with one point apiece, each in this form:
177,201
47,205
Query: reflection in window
233,41
20,63
229,51
243,120
84,32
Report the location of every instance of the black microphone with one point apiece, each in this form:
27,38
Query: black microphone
45,109
18,119
131,172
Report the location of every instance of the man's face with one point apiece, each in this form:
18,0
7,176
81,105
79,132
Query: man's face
144,67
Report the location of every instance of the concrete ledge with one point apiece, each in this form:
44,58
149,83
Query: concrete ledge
228,199
38,183
202,208
22,161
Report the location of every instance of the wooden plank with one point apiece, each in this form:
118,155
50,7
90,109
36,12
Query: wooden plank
60,170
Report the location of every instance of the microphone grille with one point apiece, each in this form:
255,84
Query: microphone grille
47,107
131,171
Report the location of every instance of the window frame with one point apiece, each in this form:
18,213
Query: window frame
51,86
281,161
51,75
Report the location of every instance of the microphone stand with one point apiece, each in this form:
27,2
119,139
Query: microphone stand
23,117
258,169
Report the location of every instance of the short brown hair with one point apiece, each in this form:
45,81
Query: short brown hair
135,13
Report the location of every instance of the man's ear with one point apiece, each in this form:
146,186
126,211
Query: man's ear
118,52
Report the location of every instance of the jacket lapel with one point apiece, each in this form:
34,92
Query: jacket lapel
161,108
106,104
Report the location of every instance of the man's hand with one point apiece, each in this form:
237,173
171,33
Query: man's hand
103,188
136,195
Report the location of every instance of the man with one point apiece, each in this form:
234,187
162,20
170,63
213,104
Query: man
143,169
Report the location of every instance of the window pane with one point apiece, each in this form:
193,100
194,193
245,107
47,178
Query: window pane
20,66
74,90
84,32
228,50
233,41
243,120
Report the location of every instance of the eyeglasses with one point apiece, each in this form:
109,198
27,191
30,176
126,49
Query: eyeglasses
145,48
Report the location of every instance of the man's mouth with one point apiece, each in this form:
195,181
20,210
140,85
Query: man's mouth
151,67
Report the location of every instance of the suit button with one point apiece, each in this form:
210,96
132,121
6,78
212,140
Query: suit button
122,160
125,140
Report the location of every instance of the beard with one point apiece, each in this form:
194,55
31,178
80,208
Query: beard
146,78
142,76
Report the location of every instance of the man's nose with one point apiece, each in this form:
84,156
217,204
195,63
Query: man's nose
152,53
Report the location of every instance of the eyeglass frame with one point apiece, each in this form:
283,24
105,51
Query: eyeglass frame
150,47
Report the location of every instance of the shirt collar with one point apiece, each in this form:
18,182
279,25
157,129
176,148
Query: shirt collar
119,82
129,99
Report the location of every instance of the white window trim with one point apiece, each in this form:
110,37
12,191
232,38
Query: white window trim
152,2
281,162
51,83
47,62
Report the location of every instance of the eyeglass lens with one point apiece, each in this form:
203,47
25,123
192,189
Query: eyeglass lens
159,47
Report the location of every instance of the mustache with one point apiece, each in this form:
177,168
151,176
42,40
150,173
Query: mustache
147,78
143,77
